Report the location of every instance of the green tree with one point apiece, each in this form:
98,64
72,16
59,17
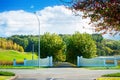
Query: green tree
97,37
21,40
25,41
9,44
52,45
80,45
108,50
15,46
3,43
101,52
113,47
60,56
21,49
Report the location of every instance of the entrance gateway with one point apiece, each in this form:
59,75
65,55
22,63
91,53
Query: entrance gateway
98,61
43,62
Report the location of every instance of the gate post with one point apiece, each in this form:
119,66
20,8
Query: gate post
78,61
14,62
50,61
25,61
115,62
104,62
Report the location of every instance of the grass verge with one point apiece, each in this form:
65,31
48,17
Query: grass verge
102,68
19,67
5,77
113,76
108,78
6,73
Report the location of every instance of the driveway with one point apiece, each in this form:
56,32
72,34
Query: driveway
59,73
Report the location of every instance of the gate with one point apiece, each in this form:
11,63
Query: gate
98,61
43,62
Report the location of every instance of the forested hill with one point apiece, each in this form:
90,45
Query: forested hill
10,45
26,42
104,47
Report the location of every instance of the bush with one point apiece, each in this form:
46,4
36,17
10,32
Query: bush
112,75
5,73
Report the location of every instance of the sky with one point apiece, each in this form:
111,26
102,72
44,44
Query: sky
17,18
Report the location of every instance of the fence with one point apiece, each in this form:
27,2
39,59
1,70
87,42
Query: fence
43,62
98,61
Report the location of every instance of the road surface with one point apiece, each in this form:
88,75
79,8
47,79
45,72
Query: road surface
59,73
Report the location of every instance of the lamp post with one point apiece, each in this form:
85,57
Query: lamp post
38,38
32,51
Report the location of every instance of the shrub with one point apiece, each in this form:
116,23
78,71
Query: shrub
5,73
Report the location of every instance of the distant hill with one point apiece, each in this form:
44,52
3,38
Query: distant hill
7,56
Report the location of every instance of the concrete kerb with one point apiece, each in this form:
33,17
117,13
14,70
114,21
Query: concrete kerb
14,77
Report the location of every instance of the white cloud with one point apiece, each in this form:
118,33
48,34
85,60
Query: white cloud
55,19
17,22
58,19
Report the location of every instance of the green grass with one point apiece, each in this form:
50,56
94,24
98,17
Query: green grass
7,56
108,78
16,67
112,75
23,67
6,73
102,68
5,77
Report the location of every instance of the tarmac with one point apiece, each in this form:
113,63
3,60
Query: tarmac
62,72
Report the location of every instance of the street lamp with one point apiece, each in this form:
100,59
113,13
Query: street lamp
32,51
38,38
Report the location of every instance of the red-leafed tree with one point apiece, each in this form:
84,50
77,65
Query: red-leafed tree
104,14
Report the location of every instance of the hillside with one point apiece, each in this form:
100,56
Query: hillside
10,45
7,56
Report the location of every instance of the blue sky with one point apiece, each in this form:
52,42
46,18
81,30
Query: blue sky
27,5
17,18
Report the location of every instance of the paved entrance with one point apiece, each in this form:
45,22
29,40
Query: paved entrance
64,65
59,73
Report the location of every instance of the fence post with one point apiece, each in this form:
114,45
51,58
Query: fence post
50,61
115,62
104,62
25,61
78,61
14,62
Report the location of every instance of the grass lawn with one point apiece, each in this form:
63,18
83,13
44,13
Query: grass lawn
17,67
113,76
109,78
5,77
102,68
7,56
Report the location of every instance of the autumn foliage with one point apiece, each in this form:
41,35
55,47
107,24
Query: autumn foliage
10,45
104,14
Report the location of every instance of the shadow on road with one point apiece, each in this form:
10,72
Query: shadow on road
26,79
64,65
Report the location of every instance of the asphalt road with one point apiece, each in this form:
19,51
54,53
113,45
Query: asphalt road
59,73
64,71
